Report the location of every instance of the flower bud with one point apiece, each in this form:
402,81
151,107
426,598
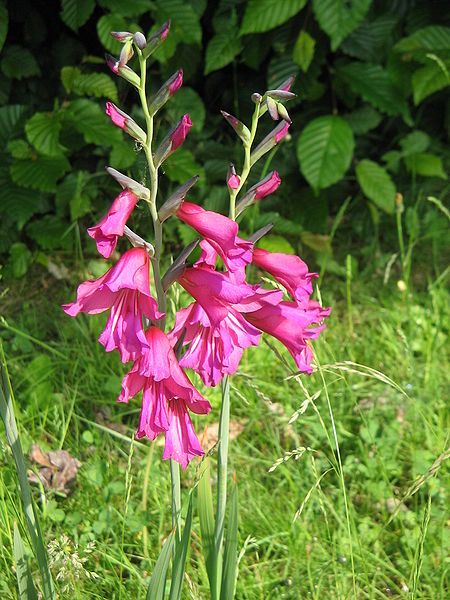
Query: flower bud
233,180
257,98
286,85
260,190
137,241
255,237
169,88
173,203
178,266
156,40
173,140
122,70
139,40
239,127
283,112
272,107
126,182
126,53
122,36
125,122
280,95
271,140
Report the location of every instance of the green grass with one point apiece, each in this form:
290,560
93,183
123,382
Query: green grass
370,502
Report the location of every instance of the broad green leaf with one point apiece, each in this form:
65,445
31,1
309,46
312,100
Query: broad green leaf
415,142
25,585
123,155
317,242
222,49
425,164
181,550
99,85
43,133
10,118
230,557
376,184
372,39
20,204
108,23
276,243
130,8
75,13
49,232
363,119
325,150
206,518
429,79
280,68
3,23
19,259
157,585
72,193
90,120
338,18
374,85
303,52
181,166
434,38
18,63
263,15
19,149
40,173
186,100
185,22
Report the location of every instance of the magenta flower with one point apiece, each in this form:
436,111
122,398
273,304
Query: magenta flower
267,186
125,289
293,324
233,180
117,116
179,133
175,82
111,226
167,396
289,270
281,132
220,232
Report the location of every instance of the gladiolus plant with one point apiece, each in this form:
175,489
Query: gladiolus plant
227,314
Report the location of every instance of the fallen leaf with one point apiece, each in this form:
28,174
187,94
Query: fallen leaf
211,433
58,469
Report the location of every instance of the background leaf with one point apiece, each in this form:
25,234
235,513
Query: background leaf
338,18
263,15
43,133
75,13
425,164
303,52
3,23
99,85
19,63
429,79
222,49
376,184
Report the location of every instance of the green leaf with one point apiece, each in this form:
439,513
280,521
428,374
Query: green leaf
325,150
10,117
99,85
25,585
18,63
19,149
123,155
363,119
181,549
130,8
40,173
425,164
20,259
43,133
186,100
90,120
230,557
75,13
49,232
372,39
3,23
374,85
434,38
105,25
72,193
429,79
280,68
157,583
276,243
181,166
185,21
206,518
376,184
414,142
338,18
222,49
303,52
263,15
19,204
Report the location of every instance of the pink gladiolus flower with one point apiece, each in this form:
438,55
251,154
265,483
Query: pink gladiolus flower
289,270
116,116
220,232
292,324
268,185
125,289
108,230
167,396
178,135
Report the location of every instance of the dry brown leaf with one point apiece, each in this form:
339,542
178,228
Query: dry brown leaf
211,433
58,469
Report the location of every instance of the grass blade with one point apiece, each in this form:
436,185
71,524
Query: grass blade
181,550
157,586
25,585
12,435
230,558
207,525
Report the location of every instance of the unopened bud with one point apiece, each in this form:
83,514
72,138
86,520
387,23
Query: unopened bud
173,140
124,71
260,190
126,182
125,122
280,95
122,36
286,85
139,40
178,266
283,112
126,53
233,180
137,241
272,107
166,91
260,233
271,140
156,39
242,130
173,203
399,202
257,98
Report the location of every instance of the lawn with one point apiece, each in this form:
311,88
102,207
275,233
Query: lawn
341,475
